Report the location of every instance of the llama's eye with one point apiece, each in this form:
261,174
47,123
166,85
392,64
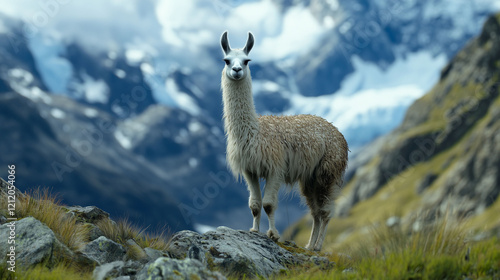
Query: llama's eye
246,61
226,61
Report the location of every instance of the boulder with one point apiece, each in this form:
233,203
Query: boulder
94,231
117,270
102,250
234,252
34,243
88,214
154,254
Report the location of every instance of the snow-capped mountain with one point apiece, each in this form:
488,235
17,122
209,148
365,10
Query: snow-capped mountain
152,69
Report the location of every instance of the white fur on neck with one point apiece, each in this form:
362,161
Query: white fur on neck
240,119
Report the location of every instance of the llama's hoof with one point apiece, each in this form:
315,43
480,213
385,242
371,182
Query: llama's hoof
311,248
254,230
273,234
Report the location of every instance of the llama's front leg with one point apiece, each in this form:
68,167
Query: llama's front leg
255,199
270,203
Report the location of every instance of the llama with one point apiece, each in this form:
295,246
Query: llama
281,149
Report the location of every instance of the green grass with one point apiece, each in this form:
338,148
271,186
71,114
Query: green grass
60,272
436,251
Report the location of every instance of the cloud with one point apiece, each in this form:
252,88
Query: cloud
98,25
177,30
196,24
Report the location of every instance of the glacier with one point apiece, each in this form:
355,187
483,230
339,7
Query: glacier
373,101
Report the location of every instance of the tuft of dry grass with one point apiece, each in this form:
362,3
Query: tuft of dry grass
424,234
124,230
45,207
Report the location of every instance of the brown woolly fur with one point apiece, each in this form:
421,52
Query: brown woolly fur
281,149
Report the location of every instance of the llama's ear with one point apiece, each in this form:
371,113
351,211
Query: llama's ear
225,43
249,45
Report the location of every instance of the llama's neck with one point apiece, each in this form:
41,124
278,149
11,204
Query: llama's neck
240,118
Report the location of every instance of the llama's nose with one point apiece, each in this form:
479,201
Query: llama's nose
237,69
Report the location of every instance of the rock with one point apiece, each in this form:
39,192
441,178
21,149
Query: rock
35,243
5,187
94,232
117,270
393,221
88,214
348,270
108,270
234,252
166,268
153,254
135,251
322,262
102,250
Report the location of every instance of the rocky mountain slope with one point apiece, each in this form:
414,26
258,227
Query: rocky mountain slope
445,156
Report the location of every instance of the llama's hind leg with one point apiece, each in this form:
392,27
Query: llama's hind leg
255,199
324,219
326,198
307,189
270,203
314,233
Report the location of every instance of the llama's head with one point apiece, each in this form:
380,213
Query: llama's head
236,59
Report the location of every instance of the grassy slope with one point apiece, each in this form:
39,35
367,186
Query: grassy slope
398,197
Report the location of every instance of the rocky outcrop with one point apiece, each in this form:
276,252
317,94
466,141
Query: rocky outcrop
450,135
234,251
216,254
